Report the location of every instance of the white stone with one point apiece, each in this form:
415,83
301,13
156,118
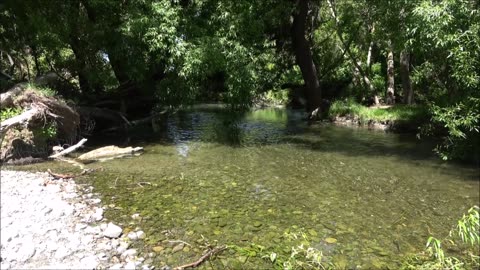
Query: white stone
130,266
121,249
98,214
132,236
103,226
129,253
89,262
80,226
26,252
140,234
95,201
117,266
115,242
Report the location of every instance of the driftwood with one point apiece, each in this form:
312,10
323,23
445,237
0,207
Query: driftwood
70,149
201,259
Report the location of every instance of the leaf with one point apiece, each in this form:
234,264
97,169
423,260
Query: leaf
273,257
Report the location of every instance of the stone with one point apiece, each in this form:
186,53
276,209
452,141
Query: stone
98,215
141,235
130,266
114,243
26,252
136,217
121,249
178,248
95,201
80,226
117,266
112,231
330,240
129,253
89,262
132,236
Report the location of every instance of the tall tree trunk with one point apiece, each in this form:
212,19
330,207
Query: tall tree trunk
390,77
370,49
405,74
304,58
116,59
35,58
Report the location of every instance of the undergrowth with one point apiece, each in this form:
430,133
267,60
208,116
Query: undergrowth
399,112
464,238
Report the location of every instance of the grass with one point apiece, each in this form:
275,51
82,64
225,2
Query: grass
400,112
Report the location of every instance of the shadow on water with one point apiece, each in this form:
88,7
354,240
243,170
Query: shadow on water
279,126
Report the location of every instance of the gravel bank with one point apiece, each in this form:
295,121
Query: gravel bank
56,224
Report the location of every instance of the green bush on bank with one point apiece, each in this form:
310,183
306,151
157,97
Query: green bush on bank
400,112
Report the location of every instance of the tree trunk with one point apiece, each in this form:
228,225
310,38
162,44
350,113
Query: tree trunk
405,74
304,57
390,99
370,49
35,58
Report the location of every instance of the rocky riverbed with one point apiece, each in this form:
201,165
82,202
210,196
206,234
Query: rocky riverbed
57,224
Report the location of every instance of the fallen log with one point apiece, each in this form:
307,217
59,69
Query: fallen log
70,149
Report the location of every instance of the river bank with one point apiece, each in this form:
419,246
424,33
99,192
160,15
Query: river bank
58,224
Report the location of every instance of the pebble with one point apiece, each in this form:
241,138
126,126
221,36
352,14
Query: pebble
51,227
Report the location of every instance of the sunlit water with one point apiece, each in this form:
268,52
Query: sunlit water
209,177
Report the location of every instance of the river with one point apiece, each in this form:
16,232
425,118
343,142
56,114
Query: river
365,199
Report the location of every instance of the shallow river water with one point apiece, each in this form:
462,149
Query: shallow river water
365,199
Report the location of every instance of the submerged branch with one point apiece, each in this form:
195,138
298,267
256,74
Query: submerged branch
201,259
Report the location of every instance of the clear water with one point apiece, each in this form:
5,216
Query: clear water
251,178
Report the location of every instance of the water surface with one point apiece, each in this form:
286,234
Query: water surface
210,177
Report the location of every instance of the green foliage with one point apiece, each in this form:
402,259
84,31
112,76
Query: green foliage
43,90
47,132
468,227
462,122
467,230
300,256
275,97
9,113
399,112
